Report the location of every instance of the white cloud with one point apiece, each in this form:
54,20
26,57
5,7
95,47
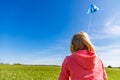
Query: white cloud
109,49
52,55
112,29
109,54
48,60
112,25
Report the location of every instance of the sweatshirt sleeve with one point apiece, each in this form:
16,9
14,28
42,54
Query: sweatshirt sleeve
104,73
64,75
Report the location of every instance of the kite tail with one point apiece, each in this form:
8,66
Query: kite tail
89,23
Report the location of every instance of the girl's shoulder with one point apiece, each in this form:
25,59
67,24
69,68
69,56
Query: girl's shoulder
67,59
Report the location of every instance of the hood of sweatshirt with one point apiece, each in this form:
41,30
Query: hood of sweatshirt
86,59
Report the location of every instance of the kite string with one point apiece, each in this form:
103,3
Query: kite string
89,23
90,27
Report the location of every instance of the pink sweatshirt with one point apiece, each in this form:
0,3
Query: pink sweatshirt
83,65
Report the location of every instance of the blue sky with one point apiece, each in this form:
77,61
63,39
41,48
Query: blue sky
39,31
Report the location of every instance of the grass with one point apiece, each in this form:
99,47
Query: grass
32,72
23,72
113,73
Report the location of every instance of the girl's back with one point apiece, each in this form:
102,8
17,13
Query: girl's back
83,65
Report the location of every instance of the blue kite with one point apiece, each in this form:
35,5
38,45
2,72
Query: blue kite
92,9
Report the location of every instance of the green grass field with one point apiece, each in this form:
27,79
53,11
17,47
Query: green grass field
113,73
24,72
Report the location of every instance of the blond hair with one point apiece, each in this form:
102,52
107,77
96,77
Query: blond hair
80,41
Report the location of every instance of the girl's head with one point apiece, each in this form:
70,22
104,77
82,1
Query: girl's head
80,41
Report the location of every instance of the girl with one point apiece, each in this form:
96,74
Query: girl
83,63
